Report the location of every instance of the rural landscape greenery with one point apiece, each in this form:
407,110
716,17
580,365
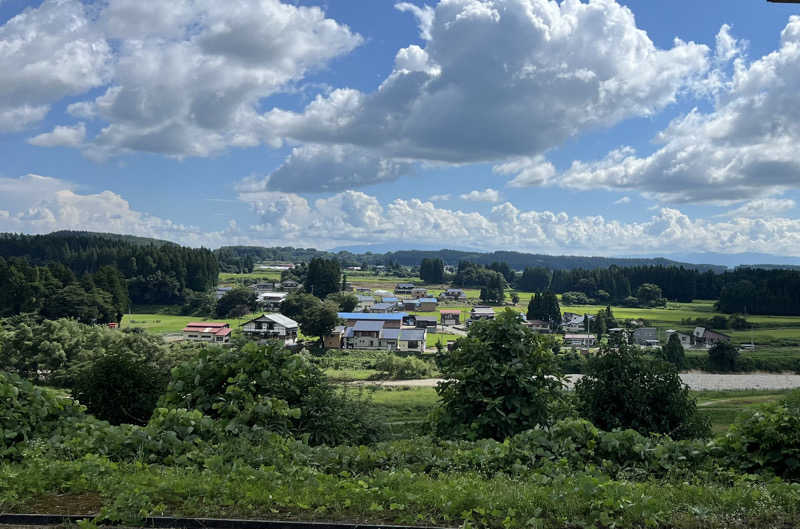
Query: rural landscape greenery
126,421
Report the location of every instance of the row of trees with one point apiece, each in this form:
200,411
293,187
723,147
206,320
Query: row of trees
53,291
156,272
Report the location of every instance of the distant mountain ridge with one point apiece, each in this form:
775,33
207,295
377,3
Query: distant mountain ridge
516,260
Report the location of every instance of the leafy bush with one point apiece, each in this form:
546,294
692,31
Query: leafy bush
28,411
269,387
396,367
768,439
120,386
499,380
722,357
575,298
625,389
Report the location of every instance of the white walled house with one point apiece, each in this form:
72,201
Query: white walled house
271,300
272,326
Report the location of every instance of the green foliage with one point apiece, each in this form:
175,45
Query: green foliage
576,298
53,352
545,307
499,380
268,387
399,368
316,318
768,439
648,294
622,388
28,412
121,386
534,279
673,352
722,357
494,291
431,270
323,277
345,301
236,302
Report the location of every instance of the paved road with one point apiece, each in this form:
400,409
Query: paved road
696,381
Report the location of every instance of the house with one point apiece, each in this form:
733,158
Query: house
412,340
455,294
685,339
706,337
450,317
271,300
410,304
580,340
334,339
423,322
382,293
289,285
428,304
365,303
419,292
207,331
363,290
221,291
647,336
576,323
363,334
390,299
404,288
481,313
260,288
391,320
272,326
383,307
538,326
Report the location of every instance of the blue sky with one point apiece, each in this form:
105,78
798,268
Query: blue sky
603,127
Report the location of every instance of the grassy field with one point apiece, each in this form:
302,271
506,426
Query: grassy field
411,406
722,407
158,323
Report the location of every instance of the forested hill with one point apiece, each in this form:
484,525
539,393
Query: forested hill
156,272
230,256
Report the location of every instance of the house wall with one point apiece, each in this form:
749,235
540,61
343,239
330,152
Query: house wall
427,307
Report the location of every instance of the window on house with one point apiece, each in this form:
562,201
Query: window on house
413,345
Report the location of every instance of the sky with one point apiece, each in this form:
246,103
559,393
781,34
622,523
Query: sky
597,127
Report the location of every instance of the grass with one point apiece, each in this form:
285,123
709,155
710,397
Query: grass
722,407
158,323
405,410
431,339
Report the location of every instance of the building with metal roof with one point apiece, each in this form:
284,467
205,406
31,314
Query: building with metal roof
271,326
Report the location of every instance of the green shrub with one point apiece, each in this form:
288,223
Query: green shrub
269,387
722,357
28,411
499,380
768,439
397,367
625,389
120,387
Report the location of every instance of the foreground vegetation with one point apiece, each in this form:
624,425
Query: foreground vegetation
259,431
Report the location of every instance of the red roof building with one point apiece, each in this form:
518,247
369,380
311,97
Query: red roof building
207,331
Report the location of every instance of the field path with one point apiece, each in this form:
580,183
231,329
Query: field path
695,381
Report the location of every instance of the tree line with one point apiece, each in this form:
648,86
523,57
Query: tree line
154,272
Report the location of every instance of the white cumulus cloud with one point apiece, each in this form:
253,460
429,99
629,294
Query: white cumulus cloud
354,217
746,147
61,136
498,80
47,53
487,195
